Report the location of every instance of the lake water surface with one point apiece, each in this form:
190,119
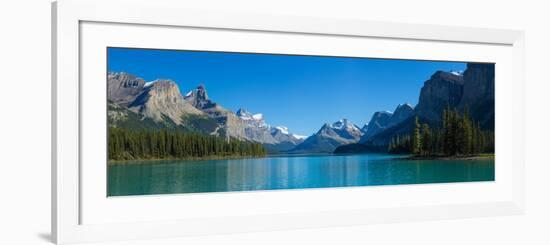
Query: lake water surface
287,172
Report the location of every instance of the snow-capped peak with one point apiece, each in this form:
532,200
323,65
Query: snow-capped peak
283,129
258,116
252,119
457,73
300,137
344,124
189,93
242,113
406,104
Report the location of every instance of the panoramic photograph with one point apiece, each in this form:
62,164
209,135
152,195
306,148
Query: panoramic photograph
183,121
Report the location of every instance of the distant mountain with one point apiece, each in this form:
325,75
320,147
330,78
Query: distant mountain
329,137
365,128
276,139
286,140
254,120
401,113
383,120
378,122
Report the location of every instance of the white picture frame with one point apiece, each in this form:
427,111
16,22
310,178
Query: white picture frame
68,17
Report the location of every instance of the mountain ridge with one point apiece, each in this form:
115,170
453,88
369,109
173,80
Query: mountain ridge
162,102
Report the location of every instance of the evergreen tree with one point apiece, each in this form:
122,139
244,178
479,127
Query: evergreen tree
458,135
416,141
426,140
125,144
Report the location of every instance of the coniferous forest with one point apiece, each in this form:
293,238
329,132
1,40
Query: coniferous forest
457,136
127,144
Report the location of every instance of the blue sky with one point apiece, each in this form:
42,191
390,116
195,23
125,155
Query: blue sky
300,92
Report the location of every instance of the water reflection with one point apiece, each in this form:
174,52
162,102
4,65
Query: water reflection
287,172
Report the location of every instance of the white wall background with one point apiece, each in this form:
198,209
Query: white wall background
25,122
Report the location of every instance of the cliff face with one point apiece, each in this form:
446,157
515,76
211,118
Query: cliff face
378,122
383,120
479,83
479,93
162,98
199,98
122,88
473,90
441,90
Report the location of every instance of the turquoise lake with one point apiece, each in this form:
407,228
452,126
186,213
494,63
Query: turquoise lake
287,172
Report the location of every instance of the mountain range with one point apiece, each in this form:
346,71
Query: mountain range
472,90
136,103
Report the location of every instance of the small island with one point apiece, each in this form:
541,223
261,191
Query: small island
458,137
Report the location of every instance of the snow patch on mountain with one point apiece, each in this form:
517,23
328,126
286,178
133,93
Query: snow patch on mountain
283,129
301,137
457,73
150,83
258,116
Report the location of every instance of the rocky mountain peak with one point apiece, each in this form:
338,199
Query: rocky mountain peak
243,113
162,98
281,129
405,107
199,98
365,128
382,120
453,77
441,90
343,128
402,112
122,88
256,120
330,136
347,125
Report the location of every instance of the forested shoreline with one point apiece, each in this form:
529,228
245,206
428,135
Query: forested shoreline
458,135
127,144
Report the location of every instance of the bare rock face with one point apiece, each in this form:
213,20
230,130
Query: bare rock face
479,93
123,88
479,83
401,113
383,120
199,98
281,134
474,90
162,98
230,124
441,90
378,122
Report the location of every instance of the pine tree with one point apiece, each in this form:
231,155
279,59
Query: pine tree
426,140
416,140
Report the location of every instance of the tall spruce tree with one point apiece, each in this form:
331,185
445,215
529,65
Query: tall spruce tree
416,141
